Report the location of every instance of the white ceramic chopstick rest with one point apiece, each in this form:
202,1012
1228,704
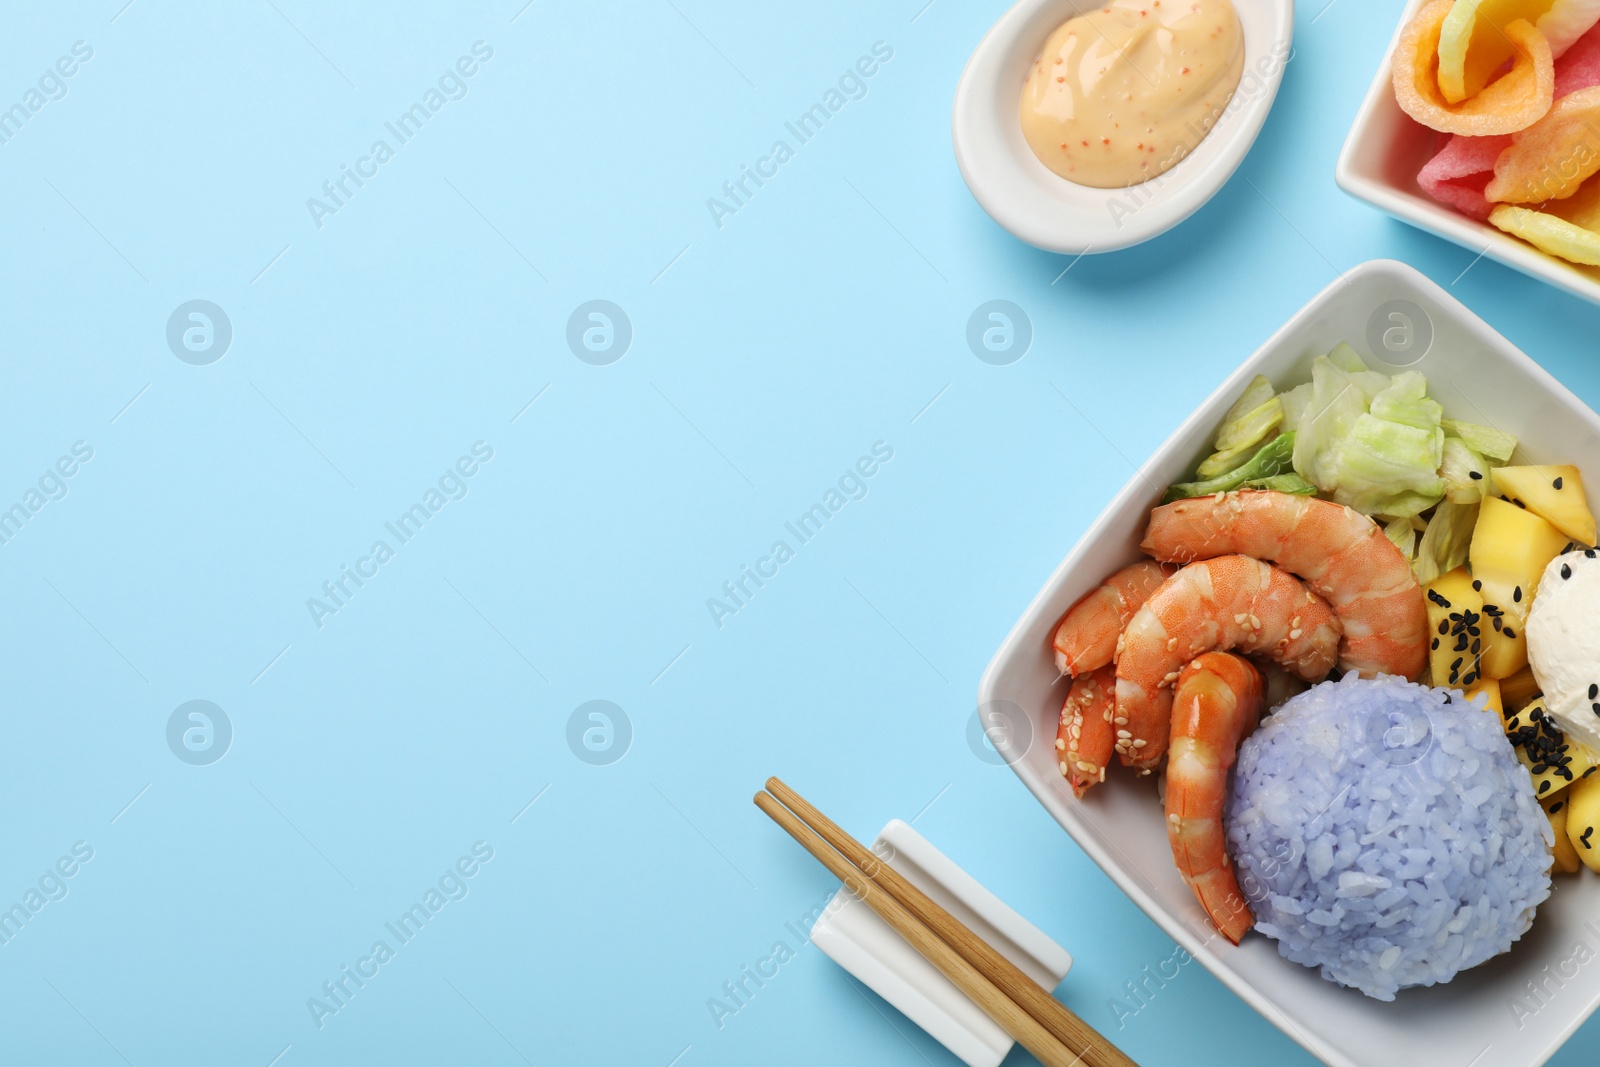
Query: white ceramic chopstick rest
863,944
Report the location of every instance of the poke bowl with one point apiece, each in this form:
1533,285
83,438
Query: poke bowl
1384,153
1516,1008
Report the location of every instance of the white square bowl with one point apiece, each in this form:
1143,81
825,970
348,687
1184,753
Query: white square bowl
1479,376
1379,163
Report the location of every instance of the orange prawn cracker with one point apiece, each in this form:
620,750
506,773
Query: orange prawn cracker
1514,101
1551,158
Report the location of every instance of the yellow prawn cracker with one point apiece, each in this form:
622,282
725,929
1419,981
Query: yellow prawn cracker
1473,44
1549,233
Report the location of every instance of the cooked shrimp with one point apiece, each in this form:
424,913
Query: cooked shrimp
1087,637
1086,736
1277,684
1342,555
1217,703
1219,604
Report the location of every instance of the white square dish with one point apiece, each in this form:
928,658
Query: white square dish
1379,163
1486,1015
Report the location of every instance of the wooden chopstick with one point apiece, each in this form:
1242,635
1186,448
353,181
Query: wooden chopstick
994,998
1045,1009
1002,1009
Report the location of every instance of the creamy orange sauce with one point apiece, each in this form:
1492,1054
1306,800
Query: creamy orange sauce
1121,94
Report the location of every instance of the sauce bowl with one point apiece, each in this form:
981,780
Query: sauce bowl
1049,212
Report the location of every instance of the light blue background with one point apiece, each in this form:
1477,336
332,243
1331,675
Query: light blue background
424,316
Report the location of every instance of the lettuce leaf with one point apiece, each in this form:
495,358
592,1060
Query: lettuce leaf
1466,473
1381,461
1444,543
1336,403
1485,440
1272,459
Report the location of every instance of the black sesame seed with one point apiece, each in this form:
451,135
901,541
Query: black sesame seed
1475,476
1585,838
1566,571
1436,644
1519,504
1510,633
1470,678
1591,770
1477,645
1556,484
1434,596
1544,787
1497,623
1589,553
1555,808
1455,663
1461,644
1594,691
1444,627
1516,594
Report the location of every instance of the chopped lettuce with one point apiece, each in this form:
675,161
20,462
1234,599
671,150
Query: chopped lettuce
1370,382
1406,401
1271,459
1282,483
1376,443
1466,473
1258,392
1295,402
1380,460
1254,417
1485,440
1219,463
1404,505
1251,428
1336,403
1444,543
1403,534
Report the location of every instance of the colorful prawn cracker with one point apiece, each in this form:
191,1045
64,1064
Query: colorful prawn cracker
1462,169
1473,44
1549,233
1579,68
1551,158
1458,174
1512,102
